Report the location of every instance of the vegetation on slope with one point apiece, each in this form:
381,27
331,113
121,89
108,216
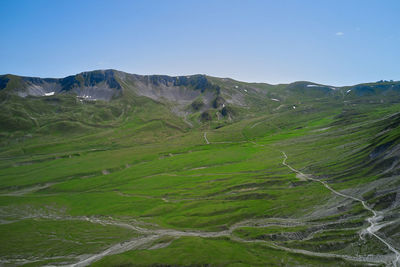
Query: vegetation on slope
134,176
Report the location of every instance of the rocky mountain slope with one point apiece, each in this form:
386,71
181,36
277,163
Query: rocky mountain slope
195,98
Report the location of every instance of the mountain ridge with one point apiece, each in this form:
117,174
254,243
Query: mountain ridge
90,78
194,99
192,93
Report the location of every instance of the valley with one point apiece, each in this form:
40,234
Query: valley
107,168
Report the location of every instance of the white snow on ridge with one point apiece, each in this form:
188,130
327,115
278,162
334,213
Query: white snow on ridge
316,85
348,91
49,94
274,99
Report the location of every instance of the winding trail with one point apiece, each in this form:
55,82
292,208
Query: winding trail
205,138
27,190
151,235
117,248
255,124
222,142
373,221
186,121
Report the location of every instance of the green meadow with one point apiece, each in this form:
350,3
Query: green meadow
112,184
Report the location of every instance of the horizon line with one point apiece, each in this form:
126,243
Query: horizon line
154,74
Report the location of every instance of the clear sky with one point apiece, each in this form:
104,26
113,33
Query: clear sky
338,42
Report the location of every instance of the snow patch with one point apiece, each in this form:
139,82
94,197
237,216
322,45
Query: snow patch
348,91
86,97
274,99
316,85
294,107
245,90
49,94
236,86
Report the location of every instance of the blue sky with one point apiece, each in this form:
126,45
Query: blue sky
332,42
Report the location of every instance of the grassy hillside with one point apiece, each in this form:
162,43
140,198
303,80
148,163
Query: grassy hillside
147,179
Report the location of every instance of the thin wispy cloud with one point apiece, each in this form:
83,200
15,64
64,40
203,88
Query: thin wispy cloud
339,34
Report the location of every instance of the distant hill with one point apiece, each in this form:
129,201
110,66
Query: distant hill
102,98
109,84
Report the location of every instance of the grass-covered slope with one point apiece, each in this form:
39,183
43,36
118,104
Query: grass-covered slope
147,179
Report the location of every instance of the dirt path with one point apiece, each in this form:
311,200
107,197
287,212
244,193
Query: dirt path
205,138
258,123
373,221
255,124
152,235
28,190
263,121
186,121
115,249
